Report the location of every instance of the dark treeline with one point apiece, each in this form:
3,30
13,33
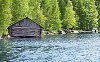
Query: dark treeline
52,15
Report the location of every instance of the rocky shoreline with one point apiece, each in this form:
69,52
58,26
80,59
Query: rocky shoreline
53,33
43,33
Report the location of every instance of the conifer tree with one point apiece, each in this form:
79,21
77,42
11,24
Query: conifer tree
20,9
62,5
98,9
52,13
69,20
86,10
35,12
78,7
91,14
5,15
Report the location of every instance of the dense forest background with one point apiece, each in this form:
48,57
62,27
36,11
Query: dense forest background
52,15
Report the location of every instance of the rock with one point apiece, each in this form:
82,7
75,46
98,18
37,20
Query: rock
94,30
61,32
8,36
74,31
0,36
49,33
5,36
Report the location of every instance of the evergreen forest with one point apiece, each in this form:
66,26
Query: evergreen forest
52,15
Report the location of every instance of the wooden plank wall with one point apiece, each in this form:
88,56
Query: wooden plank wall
25,27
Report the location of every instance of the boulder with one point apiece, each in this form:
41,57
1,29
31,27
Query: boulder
61,32
0,36
49,33
5,36
8,36
74,31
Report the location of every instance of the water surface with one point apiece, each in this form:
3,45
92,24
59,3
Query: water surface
54,48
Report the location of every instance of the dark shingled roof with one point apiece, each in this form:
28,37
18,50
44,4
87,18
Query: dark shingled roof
22,20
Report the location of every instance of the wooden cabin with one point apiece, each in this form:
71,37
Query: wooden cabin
25,28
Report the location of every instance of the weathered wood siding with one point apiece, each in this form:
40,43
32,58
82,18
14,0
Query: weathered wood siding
26,23
25,27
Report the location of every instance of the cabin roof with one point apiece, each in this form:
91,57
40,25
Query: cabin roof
23,20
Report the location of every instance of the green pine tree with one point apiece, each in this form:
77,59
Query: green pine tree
52,13
91,15
5,15
62,5
86,10
69,20
36,13
20,9
98,9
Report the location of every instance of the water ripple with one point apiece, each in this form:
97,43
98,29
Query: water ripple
57,48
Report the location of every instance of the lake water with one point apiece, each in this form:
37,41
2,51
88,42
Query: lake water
54,48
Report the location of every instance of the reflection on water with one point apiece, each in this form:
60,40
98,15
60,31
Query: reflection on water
57,48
